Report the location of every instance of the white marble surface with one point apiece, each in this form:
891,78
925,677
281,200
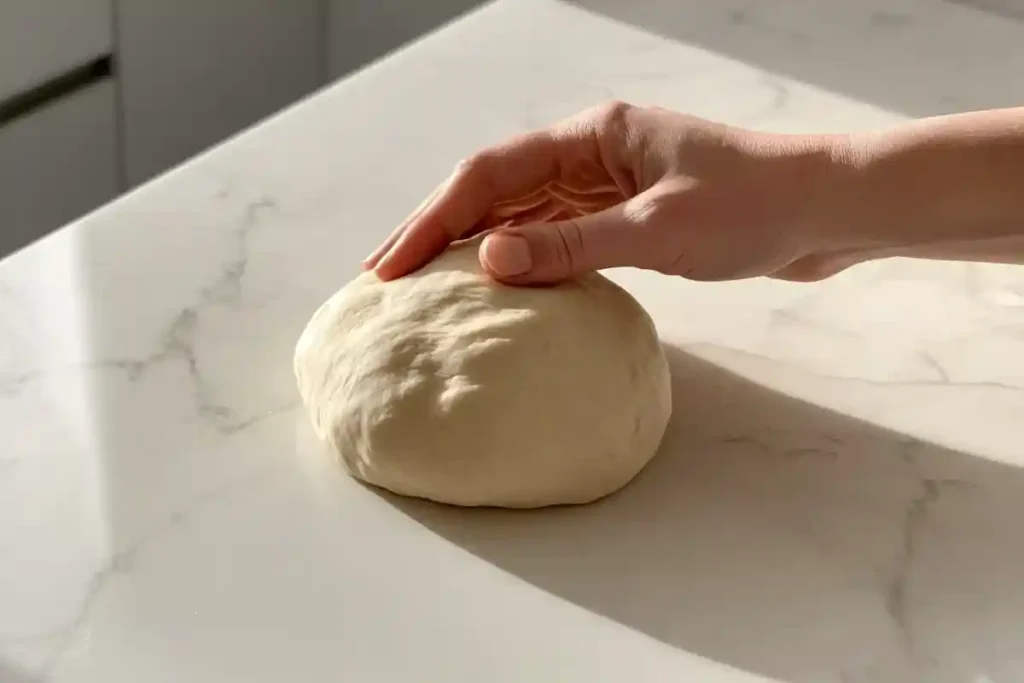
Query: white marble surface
839,497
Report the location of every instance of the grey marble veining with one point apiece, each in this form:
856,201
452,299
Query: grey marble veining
837,498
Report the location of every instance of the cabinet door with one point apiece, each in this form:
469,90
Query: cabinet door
196,71
56,164
363,30
42,39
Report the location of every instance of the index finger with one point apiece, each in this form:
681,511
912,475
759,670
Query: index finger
507,171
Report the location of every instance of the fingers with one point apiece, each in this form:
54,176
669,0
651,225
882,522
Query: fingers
514,169
591,199
550,210
546,253
373,259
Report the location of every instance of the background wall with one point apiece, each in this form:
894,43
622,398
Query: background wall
97,96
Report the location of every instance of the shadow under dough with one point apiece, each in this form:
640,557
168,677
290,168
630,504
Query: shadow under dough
785,539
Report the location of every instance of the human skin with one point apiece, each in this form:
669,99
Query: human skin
621,185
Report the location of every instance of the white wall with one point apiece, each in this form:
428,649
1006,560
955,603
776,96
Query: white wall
187,74
196,71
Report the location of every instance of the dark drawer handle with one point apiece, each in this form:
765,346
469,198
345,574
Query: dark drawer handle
60,86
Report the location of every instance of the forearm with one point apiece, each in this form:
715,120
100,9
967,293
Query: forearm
944,187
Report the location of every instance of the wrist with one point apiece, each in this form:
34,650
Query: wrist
931,187
827,171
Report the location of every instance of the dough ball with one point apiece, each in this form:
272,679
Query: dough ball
448,386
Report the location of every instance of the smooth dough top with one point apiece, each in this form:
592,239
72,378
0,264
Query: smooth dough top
449,386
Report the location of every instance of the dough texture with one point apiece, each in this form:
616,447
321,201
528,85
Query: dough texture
448,386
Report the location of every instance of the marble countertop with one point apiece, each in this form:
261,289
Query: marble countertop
839,496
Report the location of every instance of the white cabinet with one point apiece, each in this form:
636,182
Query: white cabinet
363,30
188,74
56,164
193,72
42,39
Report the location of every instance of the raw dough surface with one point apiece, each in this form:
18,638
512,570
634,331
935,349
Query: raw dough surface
448,386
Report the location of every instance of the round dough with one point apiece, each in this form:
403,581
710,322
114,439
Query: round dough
448,386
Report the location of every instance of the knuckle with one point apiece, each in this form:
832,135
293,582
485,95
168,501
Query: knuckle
570,246
470,166
613,116
477,169
644,211
615,109
617,133
650,208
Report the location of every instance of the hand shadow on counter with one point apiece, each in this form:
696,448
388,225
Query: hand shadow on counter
785,539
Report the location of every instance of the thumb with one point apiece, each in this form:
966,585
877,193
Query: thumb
547,253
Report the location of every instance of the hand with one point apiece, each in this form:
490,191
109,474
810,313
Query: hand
620,185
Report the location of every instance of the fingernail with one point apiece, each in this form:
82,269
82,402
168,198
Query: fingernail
507,254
